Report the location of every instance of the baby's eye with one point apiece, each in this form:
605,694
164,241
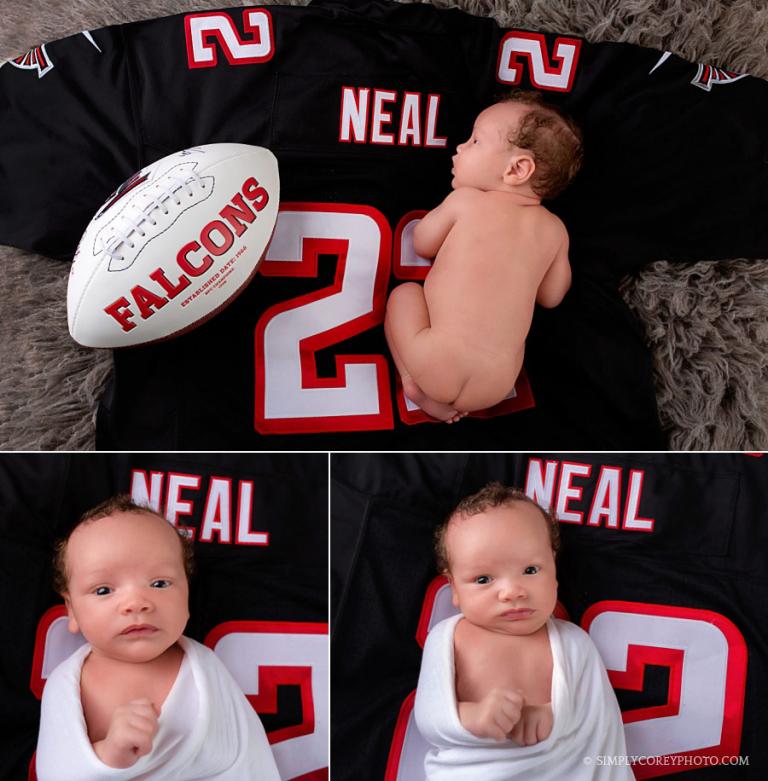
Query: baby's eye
532,570
161,583
483,580
102,591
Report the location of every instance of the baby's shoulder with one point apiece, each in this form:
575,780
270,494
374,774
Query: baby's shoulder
573,637
197,653
444,630
66,674
550,221
463,197
204,659
568,627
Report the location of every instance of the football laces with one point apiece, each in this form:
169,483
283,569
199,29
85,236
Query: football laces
123,234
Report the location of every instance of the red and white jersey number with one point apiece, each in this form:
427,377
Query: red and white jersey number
707,660
290,397
520,49
206,33
262,655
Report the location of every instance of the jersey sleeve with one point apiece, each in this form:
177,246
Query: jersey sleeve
68,137
674,158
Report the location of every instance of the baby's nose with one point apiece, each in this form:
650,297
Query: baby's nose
511,589
136,602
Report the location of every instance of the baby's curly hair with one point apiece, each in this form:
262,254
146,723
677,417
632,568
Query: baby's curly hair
494,494
553,138
122,503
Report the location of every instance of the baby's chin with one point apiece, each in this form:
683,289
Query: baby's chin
135,652
519,628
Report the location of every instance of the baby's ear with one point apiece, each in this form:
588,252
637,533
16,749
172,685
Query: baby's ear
520,168
454,596
72,624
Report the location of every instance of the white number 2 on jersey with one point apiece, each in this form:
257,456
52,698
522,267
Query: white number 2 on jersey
290,397
207,32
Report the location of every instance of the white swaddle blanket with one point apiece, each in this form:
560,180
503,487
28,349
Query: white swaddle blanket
587,720
206,730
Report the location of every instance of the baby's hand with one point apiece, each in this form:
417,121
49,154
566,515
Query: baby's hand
494,716
130,734
534,726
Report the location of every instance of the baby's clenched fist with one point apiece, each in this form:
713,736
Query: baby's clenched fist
494,716
534,726
131,731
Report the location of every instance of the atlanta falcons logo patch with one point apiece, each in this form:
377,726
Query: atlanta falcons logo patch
708,75
34,59
38,59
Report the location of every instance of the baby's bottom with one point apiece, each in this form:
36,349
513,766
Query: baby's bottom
445,380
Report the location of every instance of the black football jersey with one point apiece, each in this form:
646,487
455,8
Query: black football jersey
259,524
363,104
664,562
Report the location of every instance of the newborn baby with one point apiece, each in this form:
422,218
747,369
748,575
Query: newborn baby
139,700
505,690
458,342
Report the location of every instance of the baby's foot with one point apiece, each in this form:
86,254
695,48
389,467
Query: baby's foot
436,409
439,410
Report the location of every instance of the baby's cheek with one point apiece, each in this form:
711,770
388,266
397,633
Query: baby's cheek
552,593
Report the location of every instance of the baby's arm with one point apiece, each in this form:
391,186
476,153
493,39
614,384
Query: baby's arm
434,226
130,734
557,280
494,716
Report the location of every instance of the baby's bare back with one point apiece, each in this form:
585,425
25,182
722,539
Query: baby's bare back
482,287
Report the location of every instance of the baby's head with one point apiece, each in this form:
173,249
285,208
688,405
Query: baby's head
123,572
498,549
520,141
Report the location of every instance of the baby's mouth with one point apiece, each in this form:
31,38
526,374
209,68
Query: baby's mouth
138,630
517,613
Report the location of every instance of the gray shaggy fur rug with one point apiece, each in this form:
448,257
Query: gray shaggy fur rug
707,324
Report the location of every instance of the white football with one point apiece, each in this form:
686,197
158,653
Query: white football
173,245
